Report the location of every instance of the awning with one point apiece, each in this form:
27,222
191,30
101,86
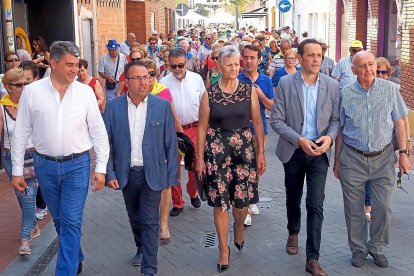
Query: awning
256,13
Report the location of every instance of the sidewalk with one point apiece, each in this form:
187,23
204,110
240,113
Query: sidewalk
109,247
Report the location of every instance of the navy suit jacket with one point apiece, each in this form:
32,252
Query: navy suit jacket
159,144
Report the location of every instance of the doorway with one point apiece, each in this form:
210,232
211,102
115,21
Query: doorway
88,46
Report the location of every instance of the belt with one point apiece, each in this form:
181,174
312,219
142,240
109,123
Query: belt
62,158
137,168
28,151
190,125
370,154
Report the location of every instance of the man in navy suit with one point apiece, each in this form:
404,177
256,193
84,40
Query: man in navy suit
143,159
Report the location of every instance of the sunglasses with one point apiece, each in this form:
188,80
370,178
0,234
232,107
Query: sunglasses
135,59
214,58
354,51
175,66
399,185
207,38
152,74
25,191
153,43
12,60
382,72
18,85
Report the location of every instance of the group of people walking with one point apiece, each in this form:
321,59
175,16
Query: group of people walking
133,120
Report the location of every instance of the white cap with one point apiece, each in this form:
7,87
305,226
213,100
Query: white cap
154,32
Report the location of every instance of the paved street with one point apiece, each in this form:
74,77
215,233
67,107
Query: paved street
109,247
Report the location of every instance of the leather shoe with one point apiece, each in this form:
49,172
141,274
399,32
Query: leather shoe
379,259
196,202
137,260
175,211
358,258
313,267
292,247
80,267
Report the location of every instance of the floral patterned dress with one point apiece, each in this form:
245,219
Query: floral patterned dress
229,151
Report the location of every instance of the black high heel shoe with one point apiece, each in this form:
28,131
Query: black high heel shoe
239,246
224,267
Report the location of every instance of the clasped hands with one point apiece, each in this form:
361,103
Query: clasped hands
312,149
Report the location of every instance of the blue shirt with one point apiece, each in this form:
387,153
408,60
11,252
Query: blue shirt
280,73
310,96
343,72
265,85
368,116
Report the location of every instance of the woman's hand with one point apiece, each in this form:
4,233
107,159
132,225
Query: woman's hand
261,163
200,166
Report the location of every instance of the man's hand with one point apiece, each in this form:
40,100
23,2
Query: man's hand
110,80
404,163
98,181
18,183
308,146
113,184
325,142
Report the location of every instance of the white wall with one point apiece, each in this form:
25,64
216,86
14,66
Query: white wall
312,16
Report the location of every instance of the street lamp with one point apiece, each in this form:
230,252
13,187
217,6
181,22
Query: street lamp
214,4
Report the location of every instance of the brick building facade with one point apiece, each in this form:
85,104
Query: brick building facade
143,17
386,28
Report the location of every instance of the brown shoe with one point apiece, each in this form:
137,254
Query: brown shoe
292,247
315,268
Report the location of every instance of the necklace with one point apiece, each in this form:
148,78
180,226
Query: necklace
227,95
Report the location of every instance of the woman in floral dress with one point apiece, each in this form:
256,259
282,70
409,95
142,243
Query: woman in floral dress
228,156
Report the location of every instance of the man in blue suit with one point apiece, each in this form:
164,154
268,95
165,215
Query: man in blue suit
143,159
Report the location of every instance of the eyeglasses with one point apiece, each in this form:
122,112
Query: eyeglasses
382,72
18,85
139,78
12,60
135,59
25,191
208,38
214,58
152,43
290,58
174,66
152,74
399,185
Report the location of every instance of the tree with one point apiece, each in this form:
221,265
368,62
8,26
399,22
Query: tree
236,7
202,10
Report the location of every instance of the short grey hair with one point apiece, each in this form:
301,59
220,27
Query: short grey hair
227,52
284,40
185,41
60,48
177,52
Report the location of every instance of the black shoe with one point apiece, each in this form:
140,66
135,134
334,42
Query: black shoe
80,267
175,211
137,260
358,258
196,202
239,246
379,259
222,268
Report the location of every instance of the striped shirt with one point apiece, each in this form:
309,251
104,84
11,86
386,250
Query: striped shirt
368,116
343,72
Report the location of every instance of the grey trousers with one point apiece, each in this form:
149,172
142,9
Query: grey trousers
355,170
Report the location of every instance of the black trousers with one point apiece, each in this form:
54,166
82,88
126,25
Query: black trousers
315,169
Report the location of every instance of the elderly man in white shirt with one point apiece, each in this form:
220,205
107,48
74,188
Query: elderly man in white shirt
64,120
186,89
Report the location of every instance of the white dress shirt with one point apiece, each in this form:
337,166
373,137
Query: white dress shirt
59,127
186,95
137,116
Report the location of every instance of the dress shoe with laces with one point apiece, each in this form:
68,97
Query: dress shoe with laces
313,267
175,211
379,259
137,260
196,202
292,247
358,258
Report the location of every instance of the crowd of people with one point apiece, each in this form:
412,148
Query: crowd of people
216,88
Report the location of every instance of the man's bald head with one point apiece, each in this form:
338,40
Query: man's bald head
364,67
131,38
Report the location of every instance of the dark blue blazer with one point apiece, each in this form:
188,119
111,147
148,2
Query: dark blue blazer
159,144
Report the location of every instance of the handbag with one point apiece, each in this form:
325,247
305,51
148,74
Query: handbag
28,168
111,86
201,181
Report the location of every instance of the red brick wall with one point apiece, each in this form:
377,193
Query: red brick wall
357,18
407,54
372,27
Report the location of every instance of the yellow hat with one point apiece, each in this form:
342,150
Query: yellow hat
356,44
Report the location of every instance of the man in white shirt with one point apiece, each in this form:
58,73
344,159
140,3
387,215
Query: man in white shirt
63,119
186,89
146,159
111,68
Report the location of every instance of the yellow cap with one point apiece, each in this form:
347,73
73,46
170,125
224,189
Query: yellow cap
356,44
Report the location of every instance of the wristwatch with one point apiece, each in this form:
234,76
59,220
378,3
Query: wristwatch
403,151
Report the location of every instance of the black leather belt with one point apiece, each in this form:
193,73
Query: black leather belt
137,168
62,158
371,154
